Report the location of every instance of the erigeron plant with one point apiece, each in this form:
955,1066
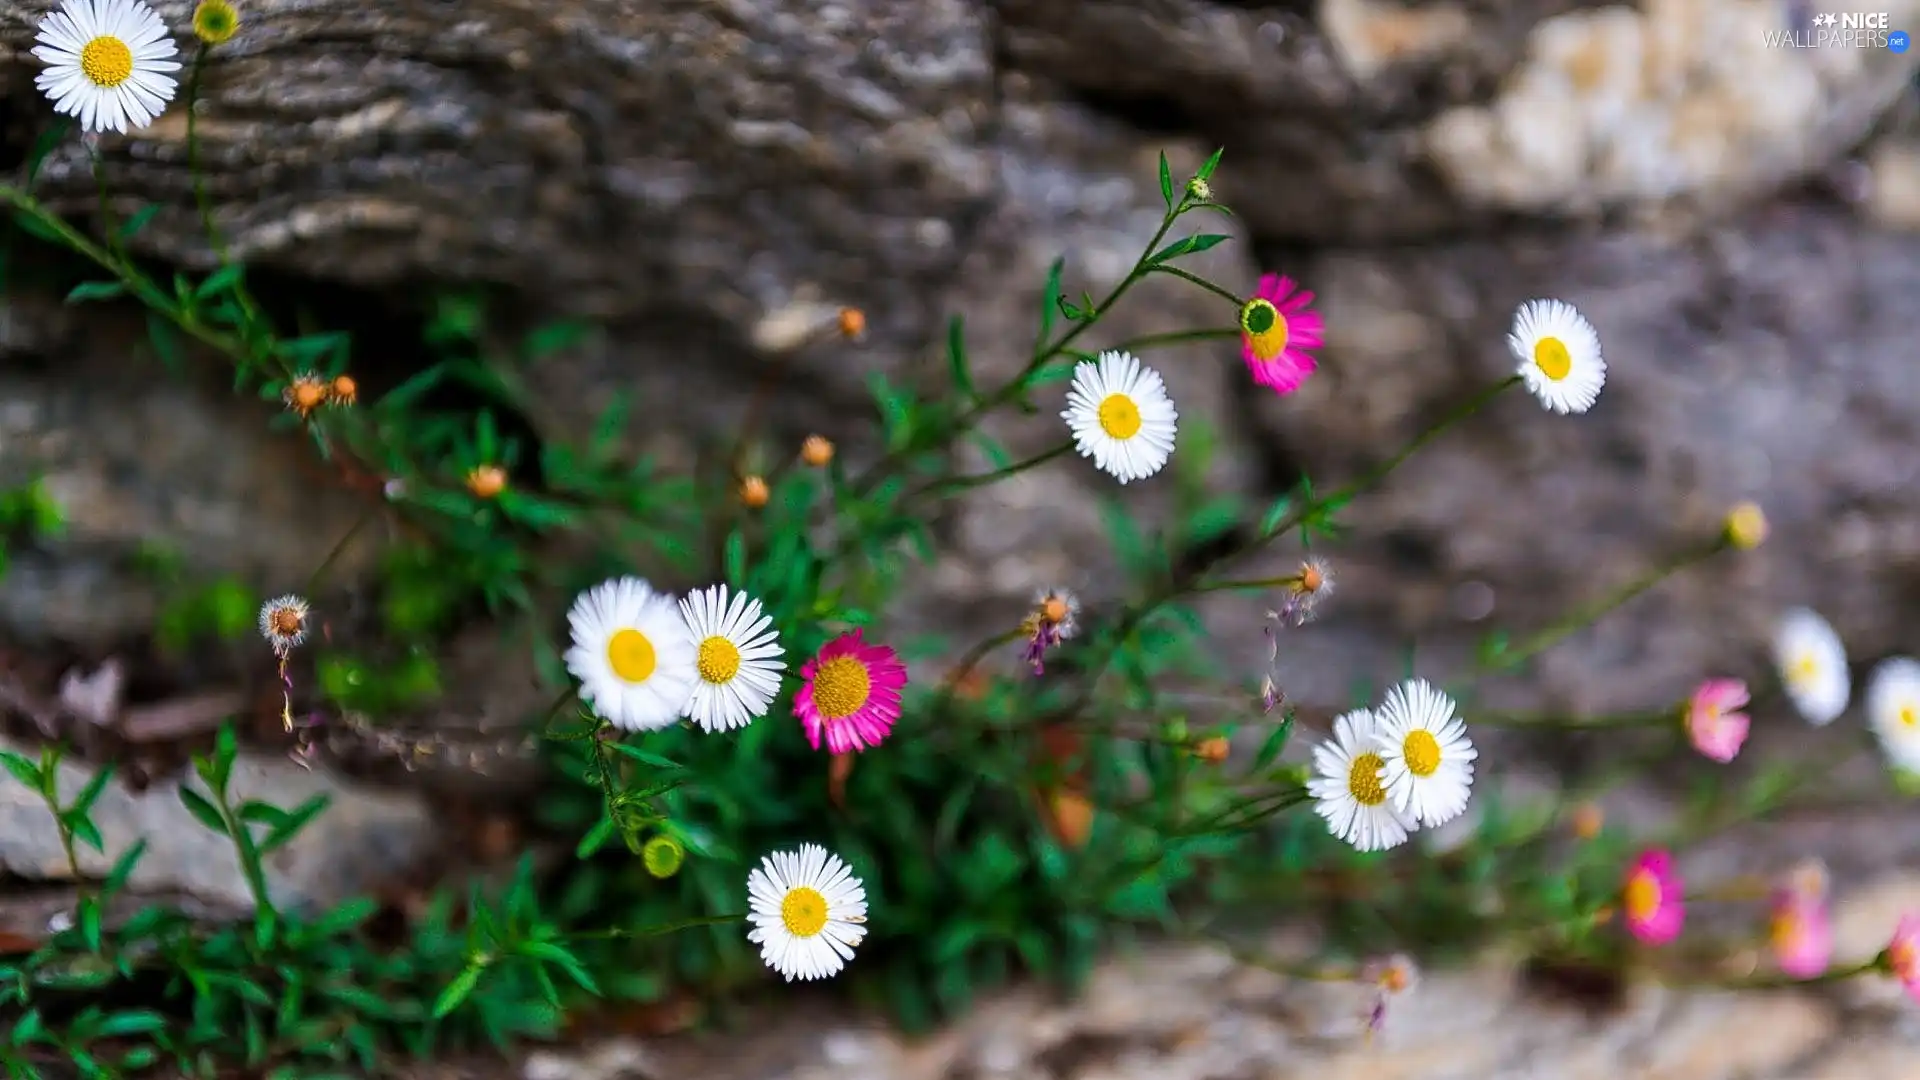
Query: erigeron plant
781,790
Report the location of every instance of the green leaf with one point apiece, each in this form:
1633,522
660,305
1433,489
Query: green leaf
141,219
957,364
1189,245
1275,742
89,922
1213,162
22,768
1166,181
96,290
83,803
85,831
552,338
595,839
1275,514
132,1022
736,559
123,867
44,146
292,821
642,756
202,810
457,991
996,455
224,280
409,393
1050,302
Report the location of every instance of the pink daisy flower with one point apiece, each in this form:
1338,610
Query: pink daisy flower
1714,721
1903,955
1276,330
1652,898
850,691
1802,931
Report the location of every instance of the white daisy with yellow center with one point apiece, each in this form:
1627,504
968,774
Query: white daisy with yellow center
1120,416
1428,757
1813,666
106,63
808,912
737,657
1350,790
1893,711
632,654
1558,354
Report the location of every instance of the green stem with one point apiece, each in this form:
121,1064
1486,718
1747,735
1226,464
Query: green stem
1012,389
1784,982
1186,275
1177,337
320,572
1585,615
201,197
622,934
1549,721
955,484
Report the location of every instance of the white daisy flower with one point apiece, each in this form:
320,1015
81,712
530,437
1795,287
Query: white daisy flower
283,622
1893,710
1120,416
737,657
1429,759
1350,789
632,654
106,61
808,912
1813,666
1559,355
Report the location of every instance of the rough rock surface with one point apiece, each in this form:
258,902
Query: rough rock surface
362,842
1196,1013
139,459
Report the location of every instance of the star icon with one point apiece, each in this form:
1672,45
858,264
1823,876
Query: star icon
1826,20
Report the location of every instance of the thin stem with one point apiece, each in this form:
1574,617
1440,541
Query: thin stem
955,484
623,934
333,556
1185,275
1783,982
201,197
1282,582
1585,615
1549,721
1177,337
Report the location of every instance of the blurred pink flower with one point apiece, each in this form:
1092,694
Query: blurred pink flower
1276,330
1652,898
1714,723
1903,955
1802,930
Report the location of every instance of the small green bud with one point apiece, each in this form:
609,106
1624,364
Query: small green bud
662,856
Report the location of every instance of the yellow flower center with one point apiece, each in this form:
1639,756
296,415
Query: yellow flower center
1804,669
719,660
841,687
1642,897
1788,931
1119,416
1551,357
1266,329
106,61
1363,780
804,911
1422,752
1903,959
1908,715
631,655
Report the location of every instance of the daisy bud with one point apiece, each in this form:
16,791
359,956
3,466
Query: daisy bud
344,390
1200,190
754,493
215,21
853,323
816,451
1212,751
1746,526
304,394
486,481
663,856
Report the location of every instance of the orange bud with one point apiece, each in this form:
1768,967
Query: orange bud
1054,610
816,451
487,481
1212,751
305,394
345,390
754,493
1588,819
853,323
1070,817
1311,578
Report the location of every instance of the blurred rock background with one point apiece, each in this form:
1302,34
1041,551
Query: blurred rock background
710,179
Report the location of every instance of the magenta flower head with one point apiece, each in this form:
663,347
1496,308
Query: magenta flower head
1714,721
1652,898
850,692
1276,330
1903,955
1801,928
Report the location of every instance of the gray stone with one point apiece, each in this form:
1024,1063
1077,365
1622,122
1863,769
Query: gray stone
363,841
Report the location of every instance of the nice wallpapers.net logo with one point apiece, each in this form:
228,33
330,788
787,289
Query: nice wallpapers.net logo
1842,30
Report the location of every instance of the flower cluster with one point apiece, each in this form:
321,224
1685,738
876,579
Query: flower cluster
646,660
1391,770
